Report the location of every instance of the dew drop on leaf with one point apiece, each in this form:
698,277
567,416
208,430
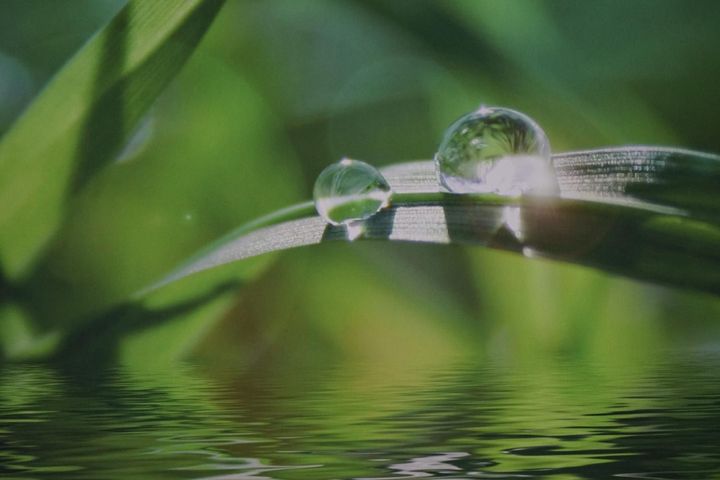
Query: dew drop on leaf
496,150
349,191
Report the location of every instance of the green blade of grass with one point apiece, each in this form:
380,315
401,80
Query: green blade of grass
85,115
644,212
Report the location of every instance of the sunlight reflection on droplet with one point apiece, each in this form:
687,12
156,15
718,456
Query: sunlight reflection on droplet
496,150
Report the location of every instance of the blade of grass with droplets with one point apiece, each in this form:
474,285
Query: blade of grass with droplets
84,116
649,213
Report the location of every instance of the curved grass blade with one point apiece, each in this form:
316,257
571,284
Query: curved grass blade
644,212
86,114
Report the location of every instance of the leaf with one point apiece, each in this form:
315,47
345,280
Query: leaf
648,213
85,115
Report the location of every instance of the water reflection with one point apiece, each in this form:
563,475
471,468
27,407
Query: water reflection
557,418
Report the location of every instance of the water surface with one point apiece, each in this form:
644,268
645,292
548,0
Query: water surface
556,419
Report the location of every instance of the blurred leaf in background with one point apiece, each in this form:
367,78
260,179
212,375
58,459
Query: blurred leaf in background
276,91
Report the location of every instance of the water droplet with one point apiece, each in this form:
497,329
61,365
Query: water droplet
349,191
496,150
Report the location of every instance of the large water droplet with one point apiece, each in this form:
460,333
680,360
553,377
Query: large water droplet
496,150
349,191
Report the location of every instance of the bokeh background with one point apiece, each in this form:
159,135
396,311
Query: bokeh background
279,89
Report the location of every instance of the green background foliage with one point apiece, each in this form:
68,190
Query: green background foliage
100,196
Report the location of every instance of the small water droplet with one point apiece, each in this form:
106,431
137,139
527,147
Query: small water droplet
496,150
349,191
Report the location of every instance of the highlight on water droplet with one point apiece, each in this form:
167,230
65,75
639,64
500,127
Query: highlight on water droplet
349,191
496,150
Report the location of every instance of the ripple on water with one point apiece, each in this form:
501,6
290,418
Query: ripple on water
564,420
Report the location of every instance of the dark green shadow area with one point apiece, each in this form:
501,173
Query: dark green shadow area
105,127
96,342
